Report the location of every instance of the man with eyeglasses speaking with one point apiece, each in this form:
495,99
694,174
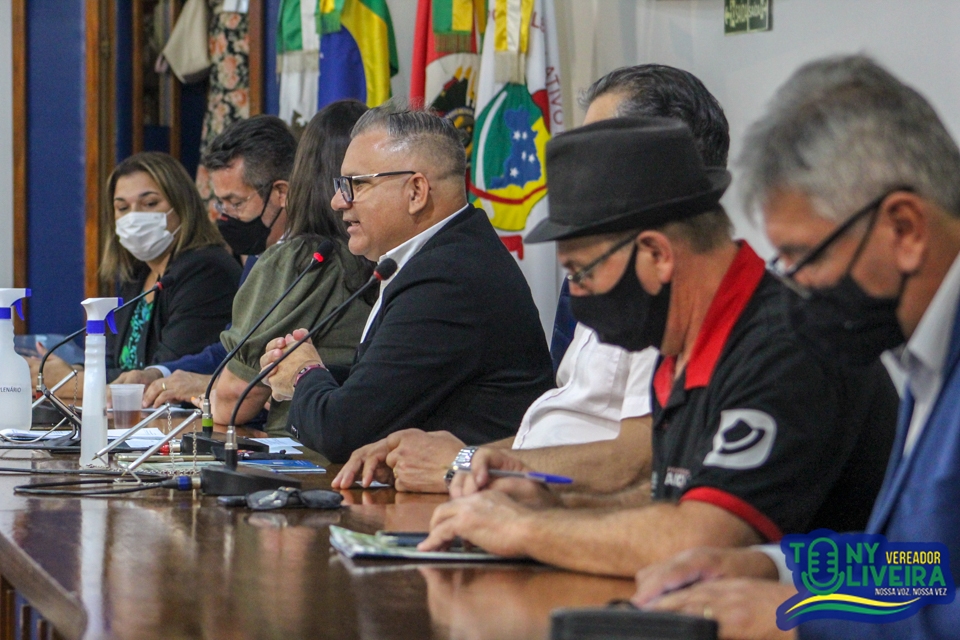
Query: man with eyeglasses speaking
754,435
454,340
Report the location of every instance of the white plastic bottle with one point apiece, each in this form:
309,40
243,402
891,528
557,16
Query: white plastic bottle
93,424
16,387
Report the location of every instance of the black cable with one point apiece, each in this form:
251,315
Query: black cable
75,472
53,488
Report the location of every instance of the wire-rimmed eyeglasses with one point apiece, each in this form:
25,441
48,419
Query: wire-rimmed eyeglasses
787,274
580,275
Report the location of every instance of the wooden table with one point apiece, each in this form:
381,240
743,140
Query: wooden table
161,564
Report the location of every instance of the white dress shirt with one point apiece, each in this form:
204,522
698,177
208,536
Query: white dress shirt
598,386
926,352
402,254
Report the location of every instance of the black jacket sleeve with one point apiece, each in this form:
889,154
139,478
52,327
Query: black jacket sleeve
188,315
425,348
192,313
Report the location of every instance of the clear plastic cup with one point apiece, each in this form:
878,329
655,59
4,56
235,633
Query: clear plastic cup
127,402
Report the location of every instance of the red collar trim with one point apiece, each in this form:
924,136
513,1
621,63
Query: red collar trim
663,380
735,291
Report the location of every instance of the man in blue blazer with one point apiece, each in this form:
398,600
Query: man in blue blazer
454,341
859,183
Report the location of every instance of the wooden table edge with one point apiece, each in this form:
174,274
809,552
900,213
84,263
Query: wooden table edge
58,606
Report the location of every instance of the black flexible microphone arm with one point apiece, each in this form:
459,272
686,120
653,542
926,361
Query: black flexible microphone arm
384,270
43,361
64,410
323,250
161,283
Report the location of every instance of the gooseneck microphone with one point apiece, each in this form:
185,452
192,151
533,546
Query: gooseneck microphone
383,271
324,250
163,283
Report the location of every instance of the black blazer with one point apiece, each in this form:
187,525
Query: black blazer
457,345
188,315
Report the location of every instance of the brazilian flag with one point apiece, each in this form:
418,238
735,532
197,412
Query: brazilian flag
358,51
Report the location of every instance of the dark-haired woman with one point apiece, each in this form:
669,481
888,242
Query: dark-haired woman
310,220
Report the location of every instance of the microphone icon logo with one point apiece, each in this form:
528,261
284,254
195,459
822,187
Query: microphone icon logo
823,576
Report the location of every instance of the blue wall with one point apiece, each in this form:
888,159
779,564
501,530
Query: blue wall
55,164
123,113
271,86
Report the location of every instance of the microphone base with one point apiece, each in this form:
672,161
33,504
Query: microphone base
213,446
220,481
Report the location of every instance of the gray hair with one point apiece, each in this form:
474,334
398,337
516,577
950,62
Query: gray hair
843,131
418,131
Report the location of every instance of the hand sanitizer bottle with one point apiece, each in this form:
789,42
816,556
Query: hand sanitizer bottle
93,423
16,390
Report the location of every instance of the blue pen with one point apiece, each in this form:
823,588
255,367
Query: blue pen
532,475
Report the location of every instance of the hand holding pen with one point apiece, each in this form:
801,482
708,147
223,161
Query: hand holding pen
488,460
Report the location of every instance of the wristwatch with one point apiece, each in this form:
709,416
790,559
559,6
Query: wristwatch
460,463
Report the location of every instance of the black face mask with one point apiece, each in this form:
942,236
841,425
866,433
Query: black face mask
626,316
846,323
246,238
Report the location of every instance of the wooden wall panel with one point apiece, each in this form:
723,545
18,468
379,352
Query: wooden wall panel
255,39
100,143
20,239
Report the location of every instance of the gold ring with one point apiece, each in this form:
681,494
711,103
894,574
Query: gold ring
163,385
708,613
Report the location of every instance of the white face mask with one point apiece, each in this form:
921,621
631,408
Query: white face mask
144,234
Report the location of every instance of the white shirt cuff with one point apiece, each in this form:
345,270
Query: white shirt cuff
162,369
775,554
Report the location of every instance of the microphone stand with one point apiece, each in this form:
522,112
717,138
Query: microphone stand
228,477
205,442
383,271
69,413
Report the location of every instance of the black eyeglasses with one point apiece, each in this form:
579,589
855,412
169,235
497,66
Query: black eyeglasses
579,276
344,184
270,499
787,274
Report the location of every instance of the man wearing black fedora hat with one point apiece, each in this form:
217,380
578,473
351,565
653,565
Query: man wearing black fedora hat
754,435
596,424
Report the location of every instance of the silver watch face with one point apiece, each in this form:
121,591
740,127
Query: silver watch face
462,461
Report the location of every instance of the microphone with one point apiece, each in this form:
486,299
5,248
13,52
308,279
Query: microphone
324,250
163,283
383,271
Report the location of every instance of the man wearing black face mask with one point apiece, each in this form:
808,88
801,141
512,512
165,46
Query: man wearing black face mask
858,180
754,436
249,164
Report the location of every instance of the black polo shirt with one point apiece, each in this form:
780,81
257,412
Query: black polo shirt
762,426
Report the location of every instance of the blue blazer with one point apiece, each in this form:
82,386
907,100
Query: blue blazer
918,502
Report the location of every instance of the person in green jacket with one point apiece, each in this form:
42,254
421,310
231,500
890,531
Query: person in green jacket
310,220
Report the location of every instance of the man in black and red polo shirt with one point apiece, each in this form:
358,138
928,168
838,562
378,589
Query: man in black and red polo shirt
754,435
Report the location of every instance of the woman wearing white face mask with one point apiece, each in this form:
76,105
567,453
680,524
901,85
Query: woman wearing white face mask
161,228
158,227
